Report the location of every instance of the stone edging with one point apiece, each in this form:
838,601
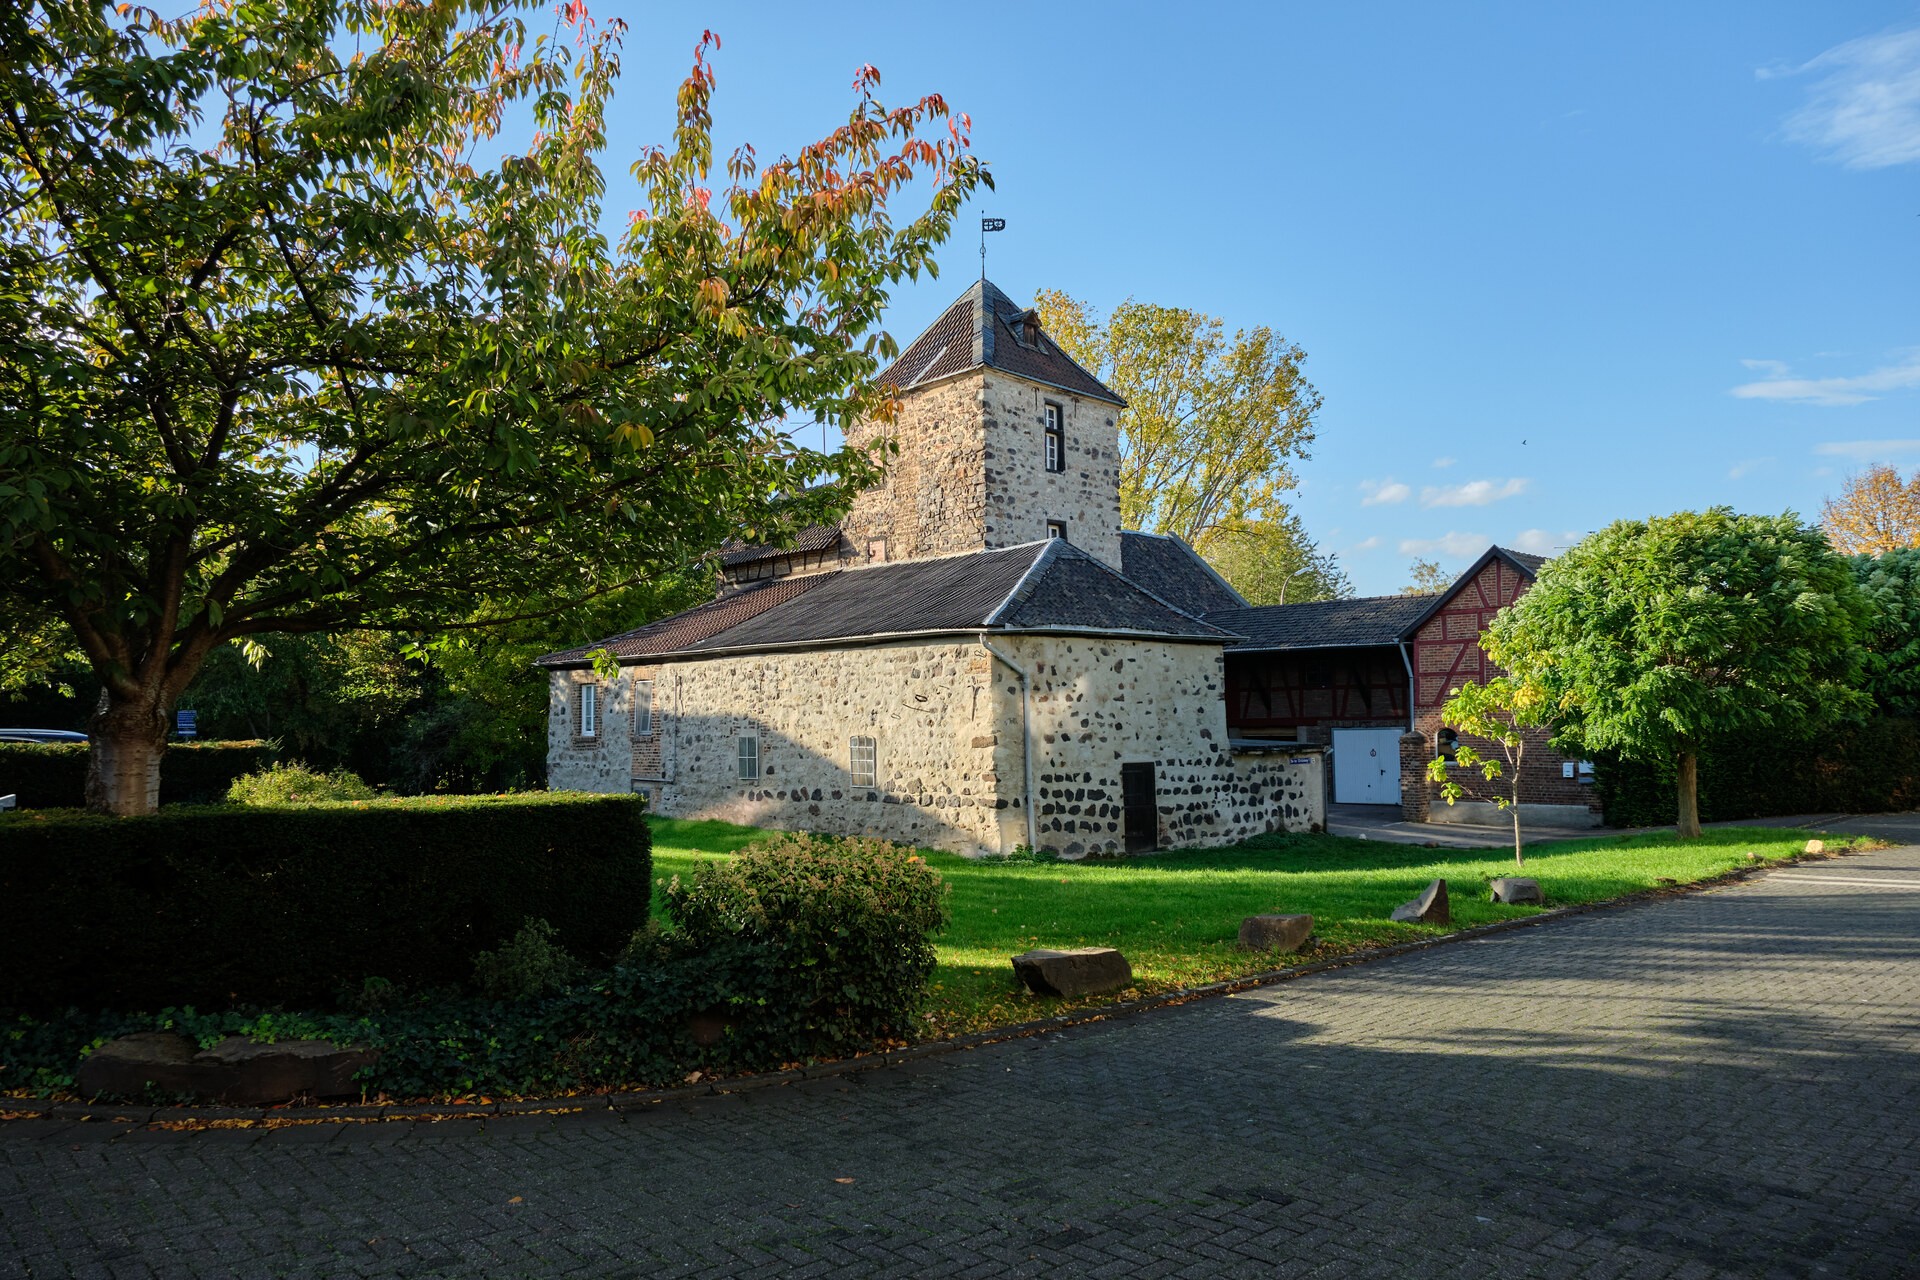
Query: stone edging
214,1116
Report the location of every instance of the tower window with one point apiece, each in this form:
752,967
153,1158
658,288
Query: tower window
1056,438
1057,529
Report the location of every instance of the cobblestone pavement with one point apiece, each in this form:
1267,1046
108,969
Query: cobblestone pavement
1724,1084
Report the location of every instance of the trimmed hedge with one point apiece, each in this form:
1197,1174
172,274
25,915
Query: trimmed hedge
1866,768
299,906
53,775
803,947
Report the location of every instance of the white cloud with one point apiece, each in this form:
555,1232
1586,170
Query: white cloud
1542,543
1474,493
1384,492
1447,544
1868,450
1442,463
1746,466
1365,544
1865,110
1903,376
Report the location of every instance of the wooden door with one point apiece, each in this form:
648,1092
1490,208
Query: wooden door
1139,807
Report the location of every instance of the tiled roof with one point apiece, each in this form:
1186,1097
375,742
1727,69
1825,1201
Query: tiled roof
674,633
1323,624
981,328
815,537
1175,572
1525,559
1070,590
1040,586
953,593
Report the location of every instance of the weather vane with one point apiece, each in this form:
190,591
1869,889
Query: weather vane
986,225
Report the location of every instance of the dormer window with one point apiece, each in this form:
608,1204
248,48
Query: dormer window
1056,437
1057,529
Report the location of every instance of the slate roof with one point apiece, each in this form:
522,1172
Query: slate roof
981,329
1525,559
1037,587
669,635
1174,571
1322,624
815,537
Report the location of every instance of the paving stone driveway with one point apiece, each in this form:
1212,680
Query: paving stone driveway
1726,1084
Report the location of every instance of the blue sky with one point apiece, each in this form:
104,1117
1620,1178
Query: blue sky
1552,267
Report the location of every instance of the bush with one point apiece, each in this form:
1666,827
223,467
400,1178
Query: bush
293,783
829,937
1865,768
531,964
299,906
53,775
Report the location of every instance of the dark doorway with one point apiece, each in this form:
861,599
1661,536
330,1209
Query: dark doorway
1137,802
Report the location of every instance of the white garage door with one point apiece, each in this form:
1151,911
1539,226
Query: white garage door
1366,766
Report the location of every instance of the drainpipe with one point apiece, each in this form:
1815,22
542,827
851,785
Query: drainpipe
1408,664
1026,737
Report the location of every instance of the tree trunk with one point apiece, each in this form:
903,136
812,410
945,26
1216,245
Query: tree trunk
123,766
1688,785
1518,859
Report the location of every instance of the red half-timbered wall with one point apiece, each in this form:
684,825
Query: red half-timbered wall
1293,693
1446,649
1447,653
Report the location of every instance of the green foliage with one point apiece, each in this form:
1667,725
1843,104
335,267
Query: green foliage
839,927
292,783
1891,582
299,906
1653,634
281,352
1426,578
1499,712
531,963
1212,426
1873,767
1652,638
53,775
1272,560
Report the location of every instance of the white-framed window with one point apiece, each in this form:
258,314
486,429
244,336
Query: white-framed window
1057,529
749,757
1056,437
589,711
643,708
862,761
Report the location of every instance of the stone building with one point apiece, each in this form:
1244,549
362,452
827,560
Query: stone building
978,657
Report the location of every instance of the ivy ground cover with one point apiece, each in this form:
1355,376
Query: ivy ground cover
1176,916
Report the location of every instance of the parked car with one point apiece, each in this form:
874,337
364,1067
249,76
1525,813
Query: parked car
41,735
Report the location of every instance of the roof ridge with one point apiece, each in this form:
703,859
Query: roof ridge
1021,592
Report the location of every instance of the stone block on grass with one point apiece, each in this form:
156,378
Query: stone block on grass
1274,933
1429,908
1517,889
1087,971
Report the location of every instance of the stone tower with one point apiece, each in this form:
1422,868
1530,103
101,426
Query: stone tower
1003,439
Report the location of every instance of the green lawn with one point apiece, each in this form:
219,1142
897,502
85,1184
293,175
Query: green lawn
1176,915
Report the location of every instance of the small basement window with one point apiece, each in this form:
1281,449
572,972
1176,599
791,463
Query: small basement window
1057,529
1056,437
589,711
862,761
749,758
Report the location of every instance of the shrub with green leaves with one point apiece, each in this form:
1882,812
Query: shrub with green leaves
834,932
290,782
531,963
